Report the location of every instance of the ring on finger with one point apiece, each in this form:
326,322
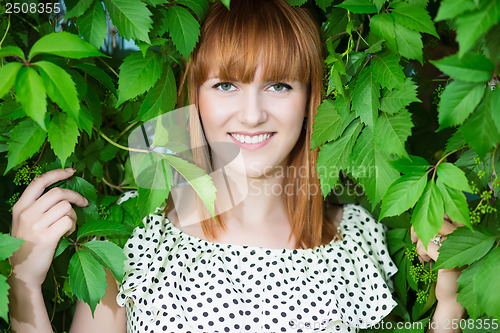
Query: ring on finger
437,239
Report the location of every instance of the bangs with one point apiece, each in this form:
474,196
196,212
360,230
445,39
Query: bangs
234,43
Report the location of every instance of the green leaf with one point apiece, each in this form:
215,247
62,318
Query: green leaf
387,71
471,26
455,142
370,166
403,194
480,130
61,247
487,283
88,191
358,6
466,293
4,298
87,278
428,214
200,8
92,26
455,204
394,100
226,2
383,25
31,94
413,17
138,74
336,22
365,97
327,124
132,18
109,255
11,51
291,2
494,105
409,42
333,156
379,4
65,45
472,67
151,199
60,88
492,44
8,74
392,131
414,164
323,4
63,136
161,98
453,177
25,140
98,74
452,8
8,245
183,28
76,8
458,101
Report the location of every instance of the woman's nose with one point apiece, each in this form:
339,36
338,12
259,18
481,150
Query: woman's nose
253,111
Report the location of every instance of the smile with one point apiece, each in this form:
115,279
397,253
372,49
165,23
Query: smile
252,142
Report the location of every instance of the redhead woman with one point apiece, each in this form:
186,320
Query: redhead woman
279,261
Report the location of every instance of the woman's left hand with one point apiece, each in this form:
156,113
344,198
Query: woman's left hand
447,285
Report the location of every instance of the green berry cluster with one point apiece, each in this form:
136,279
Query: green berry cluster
484,206
422,296
437,95
25,174
13,199
411,253
104,212
419,274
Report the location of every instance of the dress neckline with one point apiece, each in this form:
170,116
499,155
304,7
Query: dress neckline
252,248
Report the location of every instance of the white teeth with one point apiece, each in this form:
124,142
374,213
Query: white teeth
252,140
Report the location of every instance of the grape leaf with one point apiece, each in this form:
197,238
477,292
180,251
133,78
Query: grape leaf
92,25
25,140
466,293
200,8
455,204
392,131
88,191
387,71
8,245
98,74
4,298
87,278
480,130
428,214
359,6
161,98
183,28
455,142
11,51
458,101
452,8
60,87
132,18
323,4
31,94
365,97
472,67
394,100
413,17
403,194
333,156
65,45
63,136
327,124
453,177
471,26
487,283
109,255
138,74
370,166
76,8
414,164
383,25
8,74
409,42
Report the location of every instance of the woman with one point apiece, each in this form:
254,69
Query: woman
279,262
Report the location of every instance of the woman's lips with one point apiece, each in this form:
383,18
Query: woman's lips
257,140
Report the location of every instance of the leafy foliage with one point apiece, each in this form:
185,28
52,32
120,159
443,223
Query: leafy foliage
418,142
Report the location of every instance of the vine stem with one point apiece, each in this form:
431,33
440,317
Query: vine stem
120,146
109,67
6,31
129,127
441,160
111,185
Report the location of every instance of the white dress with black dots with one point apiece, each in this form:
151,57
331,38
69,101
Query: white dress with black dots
177,283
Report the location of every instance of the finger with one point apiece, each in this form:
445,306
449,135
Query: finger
57,212
447,227
414,237
431,252
56,195
456,224
38,185
61,227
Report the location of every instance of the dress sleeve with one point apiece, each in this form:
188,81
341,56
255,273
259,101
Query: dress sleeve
365,286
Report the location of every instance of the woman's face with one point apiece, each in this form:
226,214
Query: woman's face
263,118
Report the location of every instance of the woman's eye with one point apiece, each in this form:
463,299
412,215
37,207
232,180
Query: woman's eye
224,86
281,87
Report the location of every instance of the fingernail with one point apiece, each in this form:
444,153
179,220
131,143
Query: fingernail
70,170
86,202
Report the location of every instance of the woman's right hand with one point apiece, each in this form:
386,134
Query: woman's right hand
41,220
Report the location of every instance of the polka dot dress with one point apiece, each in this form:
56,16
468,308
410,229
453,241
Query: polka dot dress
175,282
